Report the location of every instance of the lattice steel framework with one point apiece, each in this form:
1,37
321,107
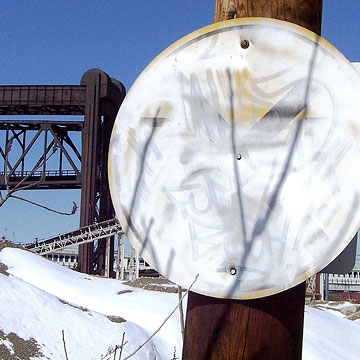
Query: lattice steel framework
86,234
51,154
51,151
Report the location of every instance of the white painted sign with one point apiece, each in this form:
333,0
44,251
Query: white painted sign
236,156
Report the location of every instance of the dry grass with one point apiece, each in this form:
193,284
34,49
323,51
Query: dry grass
155,284
6,243
21,349
124,292
351,312
116,319
3,269
75,306
355,316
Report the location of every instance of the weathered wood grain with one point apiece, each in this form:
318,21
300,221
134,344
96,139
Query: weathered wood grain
306,13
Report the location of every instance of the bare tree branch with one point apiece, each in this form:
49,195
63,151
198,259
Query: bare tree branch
74,208
18,186
63,337
163,323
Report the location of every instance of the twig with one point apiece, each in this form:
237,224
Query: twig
63,337
163,323
121,346
182,325
174,355
113,350
19,186
74,208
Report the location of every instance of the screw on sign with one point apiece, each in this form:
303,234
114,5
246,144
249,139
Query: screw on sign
282,101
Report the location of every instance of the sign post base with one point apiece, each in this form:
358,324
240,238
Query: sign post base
265,328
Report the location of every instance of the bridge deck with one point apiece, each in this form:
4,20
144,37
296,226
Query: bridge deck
42,99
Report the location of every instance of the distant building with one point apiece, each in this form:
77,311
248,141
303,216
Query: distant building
69,258
335,287
342,287
66,257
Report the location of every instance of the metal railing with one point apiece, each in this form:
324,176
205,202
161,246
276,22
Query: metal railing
39,173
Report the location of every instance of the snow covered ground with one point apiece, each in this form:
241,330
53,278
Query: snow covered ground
39,299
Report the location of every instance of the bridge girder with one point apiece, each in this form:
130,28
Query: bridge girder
80,163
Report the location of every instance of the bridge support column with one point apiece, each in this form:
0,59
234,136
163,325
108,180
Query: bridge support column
108,257
103,99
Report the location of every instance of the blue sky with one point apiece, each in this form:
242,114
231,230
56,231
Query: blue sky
55,42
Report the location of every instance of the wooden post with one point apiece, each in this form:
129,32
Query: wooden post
270,327
306,13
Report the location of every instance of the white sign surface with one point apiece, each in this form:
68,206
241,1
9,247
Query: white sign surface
235,156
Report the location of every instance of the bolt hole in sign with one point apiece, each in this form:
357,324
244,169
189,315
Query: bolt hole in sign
235,156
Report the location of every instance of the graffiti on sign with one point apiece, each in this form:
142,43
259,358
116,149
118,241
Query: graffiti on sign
235,156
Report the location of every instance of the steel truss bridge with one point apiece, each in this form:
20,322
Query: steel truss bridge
54,153
85,234
41,140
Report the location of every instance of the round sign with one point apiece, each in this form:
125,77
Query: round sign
235,156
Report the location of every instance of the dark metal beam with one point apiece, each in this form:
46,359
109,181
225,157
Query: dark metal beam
103,98
42,99
37,124
50,180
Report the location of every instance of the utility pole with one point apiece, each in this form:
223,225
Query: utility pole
306,13
264,328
